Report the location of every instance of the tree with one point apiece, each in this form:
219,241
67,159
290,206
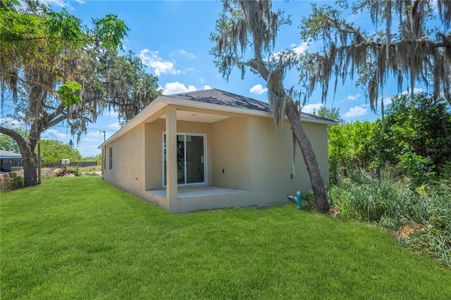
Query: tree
417,135
8,144
353,148
57,70
253,24
411,42
416,141
52,152
332,113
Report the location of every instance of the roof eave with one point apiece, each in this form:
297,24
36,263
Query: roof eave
148,111
163,100
237,110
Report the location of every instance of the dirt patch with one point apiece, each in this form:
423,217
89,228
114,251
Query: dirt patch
411,228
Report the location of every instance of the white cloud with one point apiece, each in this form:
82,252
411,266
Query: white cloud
353,97
186,54
300,49
309,108
55,134
59,3
113,113
156,63
387,100
356,111
94,137
207,87
177,87
80,1
258,89
296,49
114,125
415,91
11,123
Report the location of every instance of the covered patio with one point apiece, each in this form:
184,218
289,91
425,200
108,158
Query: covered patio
196,191
192,156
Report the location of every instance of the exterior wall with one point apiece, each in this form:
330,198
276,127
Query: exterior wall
256,157
271,159
230,160
259,156
128,162
153,149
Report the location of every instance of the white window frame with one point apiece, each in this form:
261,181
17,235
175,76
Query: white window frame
163,170
110,156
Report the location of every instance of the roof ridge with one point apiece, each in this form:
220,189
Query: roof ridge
214,88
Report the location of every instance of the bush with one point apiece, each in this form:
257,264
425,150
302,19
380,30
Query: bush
413,141
420,218
14,182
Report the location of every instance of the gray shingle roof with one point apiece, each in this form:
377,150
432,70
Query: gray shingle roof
9,154
220,97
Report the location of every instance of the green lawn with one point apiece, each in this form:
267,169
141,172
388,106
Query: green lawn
81,238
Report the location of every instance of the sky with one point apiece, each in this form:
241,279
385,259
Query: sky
172,38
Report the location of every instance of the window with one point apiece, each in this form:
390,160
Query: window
191,162
104,158
111,157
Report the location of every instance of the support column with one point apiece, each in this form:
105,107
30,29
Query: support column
171,158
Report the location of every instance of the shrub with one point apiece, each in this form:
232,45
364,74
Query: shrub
421,217
14,182
308,201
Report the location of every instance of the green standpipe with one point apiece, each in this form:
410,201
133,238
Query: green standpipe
298,200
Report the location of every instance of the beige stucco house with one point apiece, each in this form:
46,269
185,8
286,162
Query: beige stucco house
210,149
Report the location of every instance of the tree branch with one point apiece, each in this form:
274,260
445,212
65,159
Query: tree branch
15,136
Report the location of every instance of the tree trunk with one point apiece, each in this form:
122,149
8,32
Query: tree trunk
29,159
30,168
319,189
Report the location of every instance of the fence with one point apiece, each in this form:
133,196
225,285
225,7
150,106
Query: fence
79,164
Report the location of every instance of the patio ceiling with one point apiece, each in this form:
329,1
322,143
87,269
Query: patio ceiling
192,116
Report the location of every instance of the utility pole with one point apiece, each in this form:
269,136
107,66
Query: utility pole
104,135
39,161
103,152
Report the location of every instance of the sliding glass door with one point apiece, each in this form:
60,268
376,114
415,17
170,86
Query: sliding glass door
190,158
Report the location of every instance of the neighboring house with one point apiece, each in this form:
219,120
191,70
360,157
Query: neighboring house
210,149
8,160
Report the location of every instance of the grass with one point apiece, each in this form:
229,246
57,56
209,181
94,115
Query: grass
420,218
81,238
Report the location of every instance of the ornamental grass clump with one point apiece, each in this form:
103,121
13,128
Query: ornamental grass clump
419,218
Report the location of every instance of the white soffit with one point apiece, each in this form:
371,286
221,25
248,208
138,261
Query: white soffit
183,115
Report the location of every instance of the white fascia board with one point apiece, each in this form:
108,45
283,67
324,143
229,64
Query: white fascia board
147,112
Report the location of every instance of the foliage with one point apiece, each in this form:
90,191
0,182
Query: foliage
413,140
53,151
57,69
417,135
69,93
421,218
77,171
245,27
409,41
14,182
106,243
332,113
98,159
353,148
8,144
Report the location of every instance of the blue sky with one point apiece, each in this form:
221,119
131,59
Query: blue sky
172,39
